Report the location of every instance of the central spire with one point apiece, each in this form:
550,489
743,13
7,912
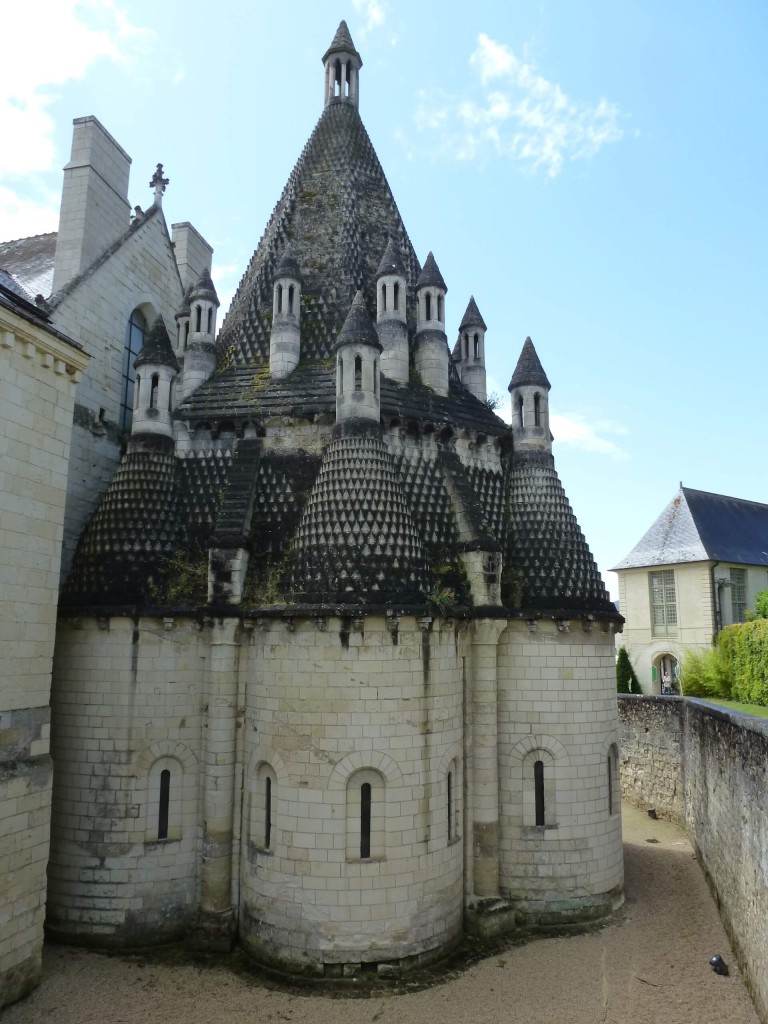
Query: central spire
342,66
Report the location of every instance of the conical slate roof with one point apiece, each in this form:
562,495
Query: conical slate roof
357,543
185,309
342,42
338,211
288,266
529,370
546,553
430,275
391,261
157,348
358,327
204,289
472,316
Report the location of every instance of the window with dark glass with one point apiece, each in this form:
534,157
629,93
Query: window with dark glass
134,342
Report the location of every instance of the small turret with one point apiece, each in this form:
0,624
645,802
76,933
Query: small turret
156,368
529,389
469,352
358,352
431,344
342,66
391,321
285,337
181,317
200,352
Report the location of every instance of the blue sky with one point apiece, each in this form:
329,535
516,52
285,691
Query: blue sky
593,171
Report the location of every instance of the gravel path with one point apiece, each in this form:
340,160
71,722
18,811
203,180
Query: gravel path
651,965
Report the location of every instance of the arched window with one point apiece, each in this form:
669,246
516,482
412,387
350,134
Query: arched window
279,295
427,306
164,804
290,298
134,342
520,416
153,391
440,308
537,410
383,298
358,373
365,815
396,296
476,345
198,317
263,808
466,347
337,79
614,787
539,789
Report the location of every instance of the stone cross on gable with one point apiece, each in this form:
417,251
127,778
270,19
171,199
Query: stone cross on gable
158,183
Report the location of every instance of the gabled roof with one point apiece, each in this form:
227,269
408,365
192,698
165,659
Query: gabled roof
698,526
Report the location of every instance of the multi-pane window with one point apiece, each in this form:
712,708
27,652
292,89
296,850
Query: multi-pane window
137,327
739,594
663,603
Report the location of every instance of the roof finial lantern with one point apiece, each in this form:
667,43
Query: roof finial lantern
391,322
469,351
431,355
342,69
156,368
200,347
285,335
358,366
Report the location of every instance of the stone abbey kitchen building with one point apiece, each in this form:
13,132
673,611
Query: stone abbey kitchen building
334,670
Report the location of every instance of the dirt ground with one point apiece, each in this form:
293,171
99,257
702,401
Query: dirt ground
650,965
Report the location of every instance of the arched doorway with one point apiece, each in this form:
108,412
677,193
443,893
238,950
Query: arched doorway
666,674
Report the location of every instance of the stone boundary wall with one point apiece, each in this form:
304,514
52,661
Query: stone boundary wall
707,770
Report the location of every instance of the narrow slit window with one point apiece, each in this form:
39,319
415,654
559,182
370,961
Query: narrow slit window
538,789
358,373
279,298
376,377
290,298
383,298
153,392
165,799
137,389
450,805
476,345
365,820
610,784
186,334
537,410
440,308
396,296
337,80
267,812
210,320
466,346
198,317
427,306
340,376
520,417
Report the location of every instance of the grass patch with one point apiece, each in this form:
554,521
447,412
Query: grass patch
734,705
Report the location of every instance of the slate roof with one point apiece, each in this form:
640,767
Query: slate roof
430,275
472,316
698,526
30,261
529,370
351,521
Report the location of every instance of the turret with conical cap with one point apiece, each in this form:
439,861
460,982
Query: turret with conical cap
431,345
285,336
390,314
342,67
529,389
358,351
200,351
156,368
469,351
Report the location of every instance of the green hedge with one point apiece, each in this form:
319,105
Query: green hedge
744,649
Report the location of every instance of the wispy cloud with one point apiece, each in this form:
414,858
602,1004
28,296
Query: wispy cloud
374,13
587,435
517,114
68,37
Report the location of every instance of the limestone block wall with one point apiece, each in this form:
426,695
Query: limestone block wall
722,773
141,274
333,706
128,705
38,372
557,706
651,741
